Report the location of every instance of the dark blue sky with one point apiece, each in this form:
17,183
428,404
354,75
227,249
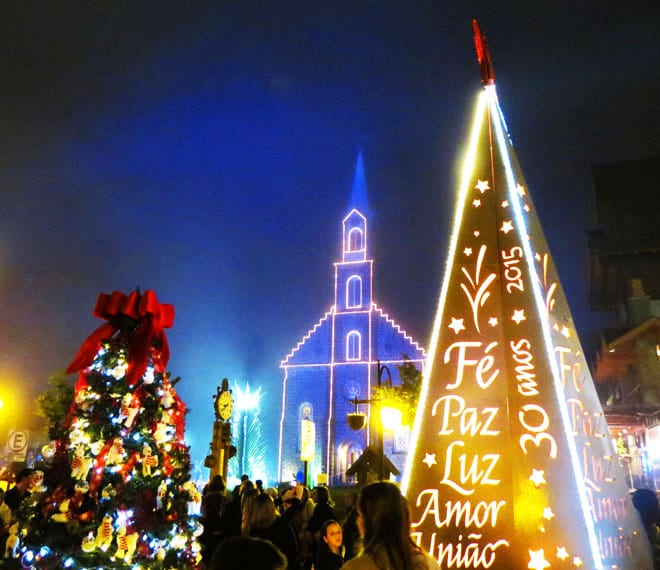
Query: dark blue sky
206,151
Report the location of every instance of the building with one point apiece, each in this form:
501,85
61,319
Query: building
625,284
337,361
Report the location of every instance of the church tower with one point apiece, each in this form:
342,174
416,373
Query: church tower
337,361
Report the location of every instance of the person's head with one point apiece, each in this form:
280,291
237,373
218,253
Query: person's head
384,523
244,553
321,495
646,502
332,535
217,483
261,514
23,478
290,499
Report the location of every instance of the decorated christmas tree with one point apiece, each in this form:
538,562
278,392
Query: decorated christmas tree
116,490
512,464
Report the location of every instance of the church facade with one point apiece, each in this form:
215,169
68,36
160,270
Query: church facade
337,362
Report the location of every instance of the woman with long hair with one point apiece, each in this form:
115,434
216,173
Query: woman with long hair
261,520
384,523
331,551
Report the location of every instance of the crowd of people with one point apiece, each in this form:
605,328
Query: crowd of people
295,521
296,529
289,529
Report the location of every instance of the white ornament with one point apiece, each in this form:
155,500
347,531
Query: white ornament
128,412
148,377
160,496
80,464
118,372
48,450
116,452
178,542
167,399
195,502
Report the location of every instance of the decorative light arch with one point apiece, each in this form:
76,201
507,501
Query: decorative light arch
355,240
353,345
354,292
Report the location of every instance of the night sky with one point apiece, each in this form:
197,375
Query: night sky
205,150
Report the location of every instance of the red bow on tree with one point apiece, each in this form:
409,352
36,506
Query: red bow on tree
146,315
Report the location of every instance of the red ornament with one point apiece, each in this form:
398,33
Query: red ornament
151,318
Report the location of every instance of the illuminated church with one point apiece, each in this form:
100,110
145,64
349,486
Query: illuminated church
337,361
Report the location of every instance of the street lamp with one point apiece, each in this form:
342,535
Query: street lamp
357,420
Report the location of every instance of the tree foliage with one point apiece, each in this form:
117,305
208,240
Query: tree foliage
54,404
404,395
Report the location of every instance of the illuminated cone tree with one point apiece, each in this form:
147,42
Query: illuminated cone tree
512,465
118,493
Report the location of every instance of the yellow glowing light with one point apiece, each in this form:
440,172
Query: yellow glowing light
390,417
548,514
577,562
467,251
476,202
537,477
537,560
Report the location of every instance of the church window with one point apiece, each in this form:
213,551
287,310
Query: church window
347,454
353,349
355,242
353,292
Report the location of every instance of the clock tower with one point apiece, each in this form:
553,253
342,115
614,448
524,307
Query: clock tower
221,448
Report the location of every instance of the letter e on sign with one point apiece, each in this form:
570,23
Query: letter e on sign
17,443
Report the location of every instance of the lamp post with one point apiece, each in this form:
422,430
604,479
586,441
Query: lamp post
357,421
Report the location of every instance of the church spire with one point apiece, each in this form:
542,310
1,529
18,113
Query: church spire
359,200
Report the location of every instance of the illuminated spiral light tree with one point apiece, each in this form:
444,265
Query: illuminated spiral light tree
116,491
250,458
512,464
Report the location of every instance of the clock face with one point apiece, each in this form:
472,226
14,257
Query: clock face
225,405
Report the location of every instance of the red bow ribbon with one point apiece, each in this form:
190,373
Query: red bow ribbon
152,317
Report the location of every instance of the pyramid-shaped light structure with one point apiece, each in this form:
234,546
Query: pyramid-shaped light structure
512,465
